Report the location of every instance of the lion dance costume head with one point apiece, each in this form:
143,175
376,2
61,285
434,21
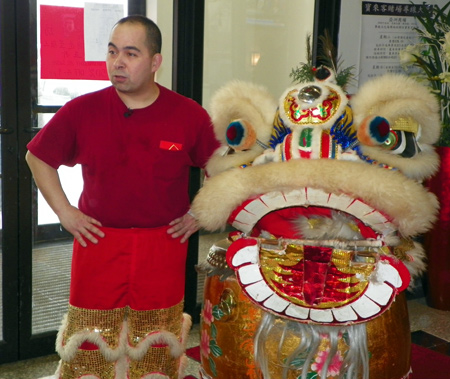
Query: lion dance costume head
325,194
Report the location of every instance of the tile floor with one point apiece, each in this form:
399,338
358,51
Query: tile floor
430,328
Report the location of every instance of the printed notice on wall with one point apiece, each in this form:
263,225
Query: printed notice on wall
387,29
99,19
66,53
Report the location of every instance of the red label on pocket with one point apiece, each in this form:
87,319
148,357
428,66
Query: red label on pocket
166,145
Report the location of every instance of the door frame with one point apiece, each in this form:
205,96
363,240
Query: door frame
10,222
187,79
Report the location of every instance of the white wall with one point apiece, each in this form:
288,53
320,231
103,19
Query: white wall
161,12
236,30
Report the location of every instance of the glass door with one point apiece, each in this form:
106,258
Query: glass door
71,42
43,65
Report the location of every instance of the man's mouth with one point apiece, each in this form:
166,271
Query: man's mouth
119,78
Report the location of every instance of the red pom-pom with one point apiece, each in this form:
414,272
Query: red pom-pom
231,133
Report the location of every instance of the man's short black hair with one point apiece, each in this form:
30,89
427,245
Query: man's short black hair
154,39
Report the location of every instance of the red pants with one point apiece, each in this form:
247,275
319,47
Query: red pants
125,317
140,268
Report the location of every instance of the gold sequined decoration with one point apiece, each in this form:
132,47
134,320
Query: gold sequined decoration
358,265
142,323
406,124
156,360
401,251
108,323
217,254
88,362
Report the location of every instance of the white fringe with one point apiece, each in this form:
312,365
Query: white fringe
155,376
356,360
408,374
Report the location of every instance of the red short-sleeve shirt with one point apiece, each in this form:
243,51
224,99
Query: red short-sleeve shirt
135,166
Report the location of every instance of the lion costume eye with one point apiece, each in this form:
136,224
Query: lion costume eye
402,143
393,140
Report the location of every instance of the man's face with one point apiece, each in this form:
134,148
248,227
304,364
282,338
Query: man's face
129,62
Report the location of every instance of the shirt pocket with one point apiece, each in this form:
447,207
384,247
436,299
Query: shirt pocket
172,162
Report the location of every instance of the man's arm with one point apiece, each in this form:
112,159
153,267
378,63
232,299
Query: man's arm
72,219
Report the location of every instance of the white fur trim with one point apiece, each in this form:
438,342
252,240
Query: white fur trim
416,265
419,167
243,100
218,162
121,367
408,375
68,351
186,327
410,206
183,365
58,370
240,100
177,347
157,338
392,96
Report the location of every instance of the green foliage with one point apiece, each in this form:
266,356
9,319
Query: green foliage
302,73
430,58
305,71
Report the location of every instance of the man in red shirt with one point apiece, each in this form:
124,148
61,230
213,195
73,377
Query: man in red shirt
135,141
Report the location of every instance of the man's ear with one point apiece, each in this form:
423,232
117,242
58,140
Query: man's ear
156,62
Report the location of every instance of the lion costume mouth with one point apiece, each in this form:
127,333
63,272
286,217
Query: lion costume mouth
312,283
328,282
318,281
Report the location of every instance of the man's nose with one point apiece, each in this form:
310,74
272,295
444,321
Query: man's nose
119,62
